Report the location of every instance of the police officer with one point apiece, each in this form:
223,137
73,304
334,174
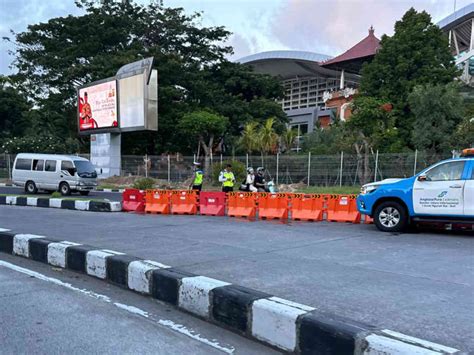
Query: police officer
227,178
198,177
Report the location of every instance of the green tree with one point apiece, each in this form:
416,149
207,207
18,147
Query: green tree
207,128
53,58
417,54
249,137
287,139
14,110
437,111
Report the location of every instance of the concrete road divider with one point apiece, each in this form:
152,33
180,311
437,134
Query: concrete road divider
68,204
280,323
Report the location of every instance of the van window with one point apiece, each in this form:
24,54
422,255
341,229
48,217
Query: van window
68,166
38,164
23,164
50,165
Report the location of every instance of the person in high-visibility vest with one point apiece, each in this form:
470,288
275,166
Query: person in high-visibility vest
227,178
198,177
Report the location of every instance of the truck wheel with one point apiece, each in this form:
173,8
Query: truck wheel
390,216
64,189
30,188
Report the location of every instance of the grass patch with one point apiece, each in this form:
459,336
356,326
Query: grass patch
331,190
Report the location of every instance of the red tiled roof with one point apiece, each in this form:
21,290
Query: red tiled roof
365,48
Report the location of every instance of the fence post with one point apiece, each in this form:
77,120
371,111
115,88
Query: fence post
340,169
376,164
194,158
9,166
416,158
221,160
309,166
277,167
169,169
247,161
146,165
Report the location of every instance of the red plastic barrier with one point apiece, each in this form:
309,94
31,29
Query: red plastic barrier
157,201
212,203
342,208
307,207
241,204
184,202
273,206
133,200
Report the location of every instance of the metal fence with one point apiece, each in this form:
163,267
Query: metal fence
314,170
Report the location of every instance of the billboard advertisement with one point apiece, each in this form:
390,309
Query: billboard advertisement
97,106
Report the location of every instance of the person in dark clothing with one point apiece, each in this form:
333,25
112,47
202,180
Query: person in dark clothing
260,182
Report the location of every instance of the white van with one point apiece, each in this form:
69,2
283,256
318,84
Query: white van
51,172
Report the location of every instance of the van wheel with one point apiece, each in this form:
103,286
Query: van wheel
390,216
30,188
64,189
84,193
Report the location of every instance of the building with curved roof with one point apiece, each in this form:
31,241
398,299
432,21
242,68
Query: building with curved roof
310,78
459,27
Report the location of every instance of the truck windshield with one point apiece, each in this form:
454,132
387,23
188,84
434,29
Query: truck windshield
85,169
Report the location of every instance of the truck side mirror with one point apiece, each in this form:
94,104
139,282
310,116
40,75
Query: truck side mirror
422,178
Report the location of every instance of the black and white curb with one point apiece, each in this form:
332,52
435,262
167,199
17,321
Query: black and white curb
283,324
110,190
80,205
6,185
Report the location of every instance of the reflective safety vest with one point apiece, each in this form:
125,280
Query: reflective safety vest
198,178
230,179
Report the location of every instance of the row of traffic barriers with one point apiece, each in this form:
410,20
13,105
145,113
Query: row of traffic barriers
296,206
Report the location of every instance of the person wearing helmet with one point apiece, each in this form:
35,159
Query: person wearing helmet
248,183
198,177
260,182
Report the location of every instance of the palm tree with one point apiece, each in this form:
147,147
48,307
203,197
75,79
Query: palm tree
249,138
267,137
288,139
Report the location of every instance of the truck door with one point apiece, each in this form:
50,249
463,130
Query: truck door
440,190
469,193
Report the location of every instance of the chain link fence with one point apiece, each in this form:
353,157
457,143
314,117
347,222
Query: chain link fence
313,170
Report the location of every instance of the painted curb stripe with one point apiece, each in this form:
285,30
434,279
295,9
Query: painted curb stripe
3,200
165,284
324,333
117,268
42,202
231,306
6,242
275,321
68,204
78,205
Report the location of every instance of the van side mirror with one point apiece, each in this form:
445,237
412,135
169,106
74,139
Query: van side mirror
422,178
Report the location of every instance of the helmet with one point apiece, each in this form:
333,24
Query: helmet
260,169
250,170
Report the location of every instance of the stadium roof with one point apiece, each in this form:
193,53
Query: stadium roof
289,64
457,18
352,59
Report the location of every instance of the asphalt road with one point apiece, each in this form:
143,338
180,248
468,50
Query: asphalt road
112,196
50,311
418,284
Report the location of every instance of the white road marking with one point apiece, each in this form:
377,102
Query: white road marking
131,309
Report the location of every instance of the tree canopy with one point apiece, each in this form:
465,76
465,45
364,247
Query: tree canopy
53,58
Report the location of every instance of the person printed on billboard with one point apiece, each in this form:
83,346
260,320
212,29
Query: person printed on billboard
85,114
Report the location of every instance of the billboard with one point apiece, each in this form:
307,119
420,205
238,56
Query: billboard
126,102
97,106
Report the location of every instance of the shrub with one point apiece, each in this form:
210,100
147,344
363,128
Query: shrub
238,169
144,184
56,194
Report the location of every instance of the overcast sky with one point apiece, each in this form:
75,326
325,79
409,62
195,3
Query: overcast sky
323,26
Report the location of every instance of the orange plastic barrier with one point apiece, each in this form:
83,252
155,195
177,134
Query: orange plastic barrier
368,219
273,206
307,207
212,203
157,201
241,204
184,202
342,208
133,200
